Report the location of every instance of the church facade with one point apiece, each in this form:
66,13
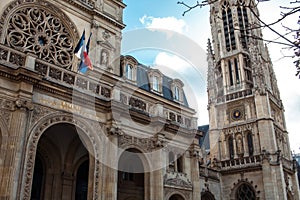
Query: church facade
125,131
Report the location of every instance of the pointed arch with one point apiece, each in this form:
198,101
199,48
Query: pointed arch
244,190
207,195
229,36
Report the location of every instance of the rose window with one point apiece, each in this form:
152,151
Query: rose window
34,30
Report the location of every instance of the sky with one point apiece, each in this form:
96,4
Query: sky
155,29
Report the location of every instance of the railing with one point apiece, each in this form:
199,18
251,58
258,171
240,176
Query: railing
242,162
15,59
89,3
235,95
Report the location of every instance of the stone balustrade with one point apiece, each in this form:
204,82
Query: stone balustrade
242,162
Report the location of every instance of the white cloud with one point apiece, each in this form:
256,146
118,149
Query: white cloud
169,23
172,61
193,80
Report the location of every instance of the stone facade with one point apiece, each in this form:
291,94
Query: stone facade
248,137
108,134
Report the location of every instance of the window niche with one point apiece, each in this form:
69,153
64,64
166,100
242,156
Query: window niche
177,90
129,68
155,78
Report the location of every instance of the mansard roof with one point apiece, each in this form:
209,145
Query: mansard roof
143,82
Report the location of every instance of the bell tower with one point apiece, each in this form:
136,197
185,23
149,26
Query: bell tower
248,136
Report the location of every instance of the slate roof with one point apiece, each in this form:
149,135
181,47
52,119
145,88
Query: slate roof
204,140
142,81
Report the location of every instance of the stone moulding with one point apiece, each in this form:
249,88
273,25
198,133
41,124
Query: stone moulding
35,134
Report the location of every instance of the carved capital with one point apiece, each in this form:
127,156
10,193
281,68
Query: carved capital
24,104
114,130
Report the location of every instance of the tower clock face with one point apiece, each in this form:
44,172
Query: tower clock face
236,114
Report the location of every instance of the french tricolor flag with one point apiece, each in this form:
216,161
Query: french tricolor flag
82,52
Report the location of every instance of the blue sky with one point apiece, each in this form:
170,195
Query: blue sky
154,48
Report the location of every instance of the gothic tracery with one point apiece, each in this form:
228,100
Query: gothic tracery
38,30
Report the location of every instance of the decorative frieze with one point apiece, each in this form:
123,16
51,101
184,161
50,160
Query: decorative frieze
176,179
144,143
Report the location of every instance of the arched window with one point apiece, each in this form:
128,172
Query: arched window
231,148
236,68
245,192
207,196
228,27
247,68
243,24
129,71
230,72
176,197
176,93
250,144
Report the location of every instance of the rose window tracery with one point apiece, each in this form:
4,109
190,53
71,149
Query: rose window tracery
35,30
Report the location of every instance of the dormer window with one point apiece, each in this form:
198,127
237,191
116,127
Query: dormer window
155,77
129,68
129,71
177,90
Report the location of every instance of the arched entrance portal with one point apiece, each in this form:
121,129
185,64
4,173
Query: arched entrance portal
176,197
61,168
131,176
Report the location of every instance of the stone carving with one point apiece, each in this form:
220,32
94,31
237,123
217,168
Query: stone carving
90,3
39,112
24,104
177,179
137,103
257,64
238,129
7,104
3,54
104,57
123,98
144,143
41,31
5,115
105,92
17,59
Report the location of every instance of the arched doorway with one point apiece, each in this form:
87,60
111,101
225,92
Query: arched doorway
61,168
176,197
131,176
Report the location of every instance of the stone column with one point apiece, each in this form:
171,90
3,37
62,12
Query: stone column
156,177
13,167
225,149
234,147
110,174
